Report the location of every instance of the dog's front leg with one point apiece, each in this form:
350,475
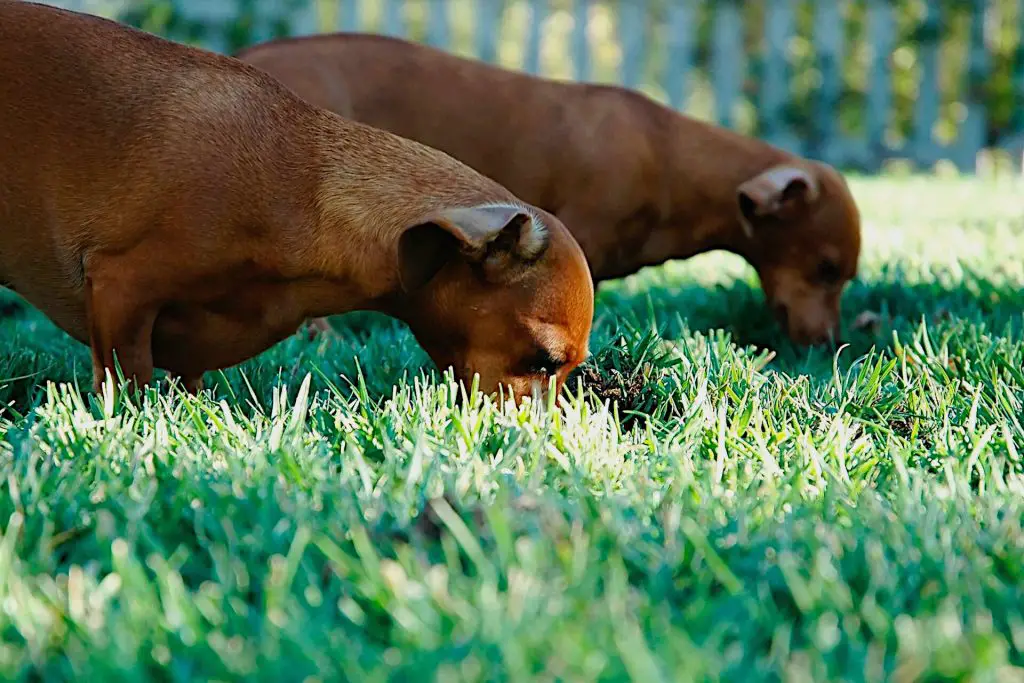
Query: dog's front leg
190,385
120,318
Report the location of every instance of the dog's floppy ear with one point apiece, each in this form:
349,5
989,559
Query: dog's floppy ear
503,239
780,192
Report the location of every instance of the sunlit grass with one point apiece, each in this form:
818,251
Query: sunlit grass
706,502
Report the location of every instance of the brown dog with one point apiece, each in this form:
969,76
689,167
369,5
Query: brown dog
636,182
186,211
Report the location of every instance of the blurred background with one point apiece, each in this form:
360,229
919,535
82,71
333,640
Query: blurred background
868,85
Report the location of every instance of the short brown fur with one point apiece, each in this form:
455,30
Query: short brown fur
636,182
184,210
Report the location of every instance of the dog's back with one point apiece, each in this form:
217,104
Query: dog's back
125,100
106,134
345,72
57,65
400,86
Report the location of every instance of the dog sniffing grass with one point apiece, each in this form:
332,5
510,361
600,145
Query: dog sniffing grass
743,510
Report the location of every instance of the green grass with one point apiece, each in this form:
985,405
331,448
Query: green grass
743,510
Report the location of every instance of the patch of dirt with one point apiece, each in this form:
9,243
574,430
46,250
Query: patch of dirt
630,392
902,427
614,385
429,524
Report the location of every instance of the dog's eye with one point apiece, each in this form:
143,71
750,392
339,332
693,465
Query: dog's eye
829,272
541,363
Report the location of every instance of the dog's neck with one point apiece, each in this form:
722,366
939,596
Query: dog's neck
364,203
705,166
340,251
700,167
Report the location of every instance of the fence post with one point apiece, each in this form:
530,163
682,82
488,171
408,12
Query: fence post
727,67
306,20
774,91
438,33
580,40
828,42
538,14
349,18
682,31
301,17
632,25
1014,141
971,137
488,20
215,16
881,34
926,111
394,22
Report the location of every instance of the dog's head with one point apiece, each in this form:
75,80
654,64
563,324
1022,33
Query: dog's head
500,290
804,229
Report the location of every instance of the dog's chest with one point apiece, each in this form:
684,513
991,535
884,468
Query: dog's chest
225,330
626,241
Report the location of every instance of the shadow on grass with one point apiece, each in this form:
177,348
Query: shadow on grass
382,352
738,310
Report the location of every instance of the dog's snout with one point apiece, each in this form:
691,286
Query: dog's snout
828,336
807,330
826,339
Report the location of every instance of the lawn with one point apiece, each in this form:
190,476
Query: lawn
711,503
